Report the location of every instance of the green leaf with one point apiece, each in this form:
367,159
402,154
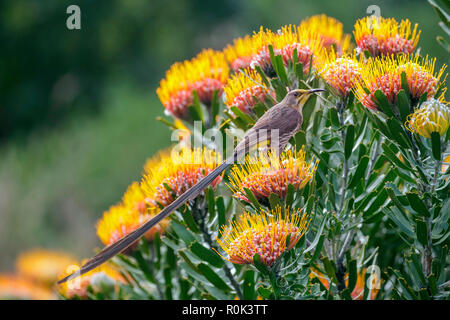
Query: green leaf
352,275
213,277
251,197
206,254
349,140
215,106
182,232
220,203
436,145
189,220
329,269
383,103
405,85
274,201
290,195
403,104
211,201
398,133
248,289
259,265
334,118
421,232
243,116
360,172
417,204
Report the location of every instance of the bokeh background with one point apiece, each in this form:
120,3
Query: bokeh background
78,107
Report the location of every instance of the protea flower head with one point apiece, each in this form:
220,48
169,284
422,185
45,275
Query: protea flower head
97,279
241,53
385,75
245,89
330,31
268,173
42,265
261,41
340,73
170,174
264,234
431,116
16,287
385,37
306,43
205,73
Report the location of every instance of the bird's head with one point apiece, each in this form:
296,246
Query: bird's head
298,97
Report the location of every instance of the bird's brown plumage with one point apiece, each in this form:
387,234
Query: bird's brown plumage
286,117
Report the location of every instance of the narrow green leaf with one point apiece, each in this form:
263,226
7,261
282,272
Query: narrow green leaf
383,103
417,204
206,254
436,145
248,289
259,265
421,232
360,172
213,277
349,140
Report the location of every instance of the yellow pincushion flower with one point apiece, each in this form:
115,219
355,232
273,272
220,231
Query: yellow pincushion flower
260,45
385,37
240,54
268,173
119,221
306,42
264,234
97,279
385,75
177,171
330,30
43,266
205,73
245,89
340,73
432,116
18,288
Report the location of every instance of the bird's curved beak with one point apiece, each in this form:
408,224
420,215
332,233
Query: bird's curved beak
315,90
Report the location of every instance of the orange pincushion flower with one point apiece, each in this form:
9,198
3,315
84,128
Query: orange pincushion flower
385,75
245,89
264,234
119,221
260,42
330,31
358,291
43,266
15,287
307,44
205,73
240,54
177,172
269,174
385,37
134,199
106,274
340,73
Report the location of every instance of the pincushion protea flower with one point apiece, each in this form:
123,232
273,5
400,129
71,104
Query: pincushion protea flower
241,53
168,175
127,216
432,116
385,37
245,89
385,75
16,287
205,73
269,174
340,73
358,291
330,31
260,43
307,43
119,221
264,234
97,279
43,266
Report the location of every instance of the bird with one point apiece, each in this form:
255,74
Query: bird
285,117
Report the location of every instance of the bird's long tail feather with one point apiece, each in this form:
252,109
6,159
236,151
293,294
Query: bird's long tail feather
121,245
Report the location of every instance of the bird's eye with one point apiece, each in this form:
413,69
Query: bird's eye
295,94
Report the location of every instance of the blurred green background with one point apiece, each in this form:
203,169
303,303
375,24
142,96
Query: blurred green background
78,107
